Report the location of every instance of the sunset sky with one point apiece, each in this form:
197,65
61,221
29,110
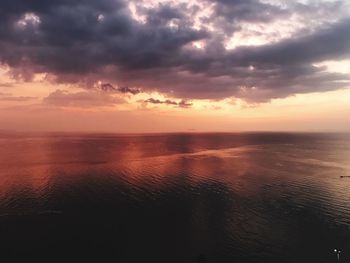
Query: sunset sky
166,66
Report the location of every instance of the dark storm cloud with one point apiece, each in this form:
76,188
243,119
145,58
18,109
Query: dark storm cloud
263,12
163,14
248,10
85,41
71,38
330,42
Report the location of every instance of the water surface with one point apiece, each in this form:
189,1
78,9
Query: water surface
251,197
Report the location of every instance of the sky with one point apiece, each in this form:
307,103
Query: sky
174,66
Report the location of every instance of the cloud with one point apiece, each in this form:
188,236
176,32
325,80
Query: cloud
10,97
107,87
14,98
184,104
85,42
329,42
83,99
181,103
248,10
157,101
6,85
257,11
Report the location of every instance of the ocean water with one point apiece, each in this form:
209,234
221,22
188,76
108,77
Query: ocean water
249,197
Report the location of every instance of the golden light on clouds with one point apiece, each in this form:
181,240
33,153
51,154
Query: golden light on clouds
324,111
342,66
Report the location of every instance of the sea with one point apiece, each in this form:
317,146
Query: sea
175,197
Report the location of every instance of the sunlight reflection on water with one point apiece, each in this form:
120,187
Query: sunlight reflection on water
264,197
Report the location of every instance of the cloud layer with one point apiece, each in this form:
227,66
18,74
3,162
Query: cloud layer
151,46
84,99
11,98
181,104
